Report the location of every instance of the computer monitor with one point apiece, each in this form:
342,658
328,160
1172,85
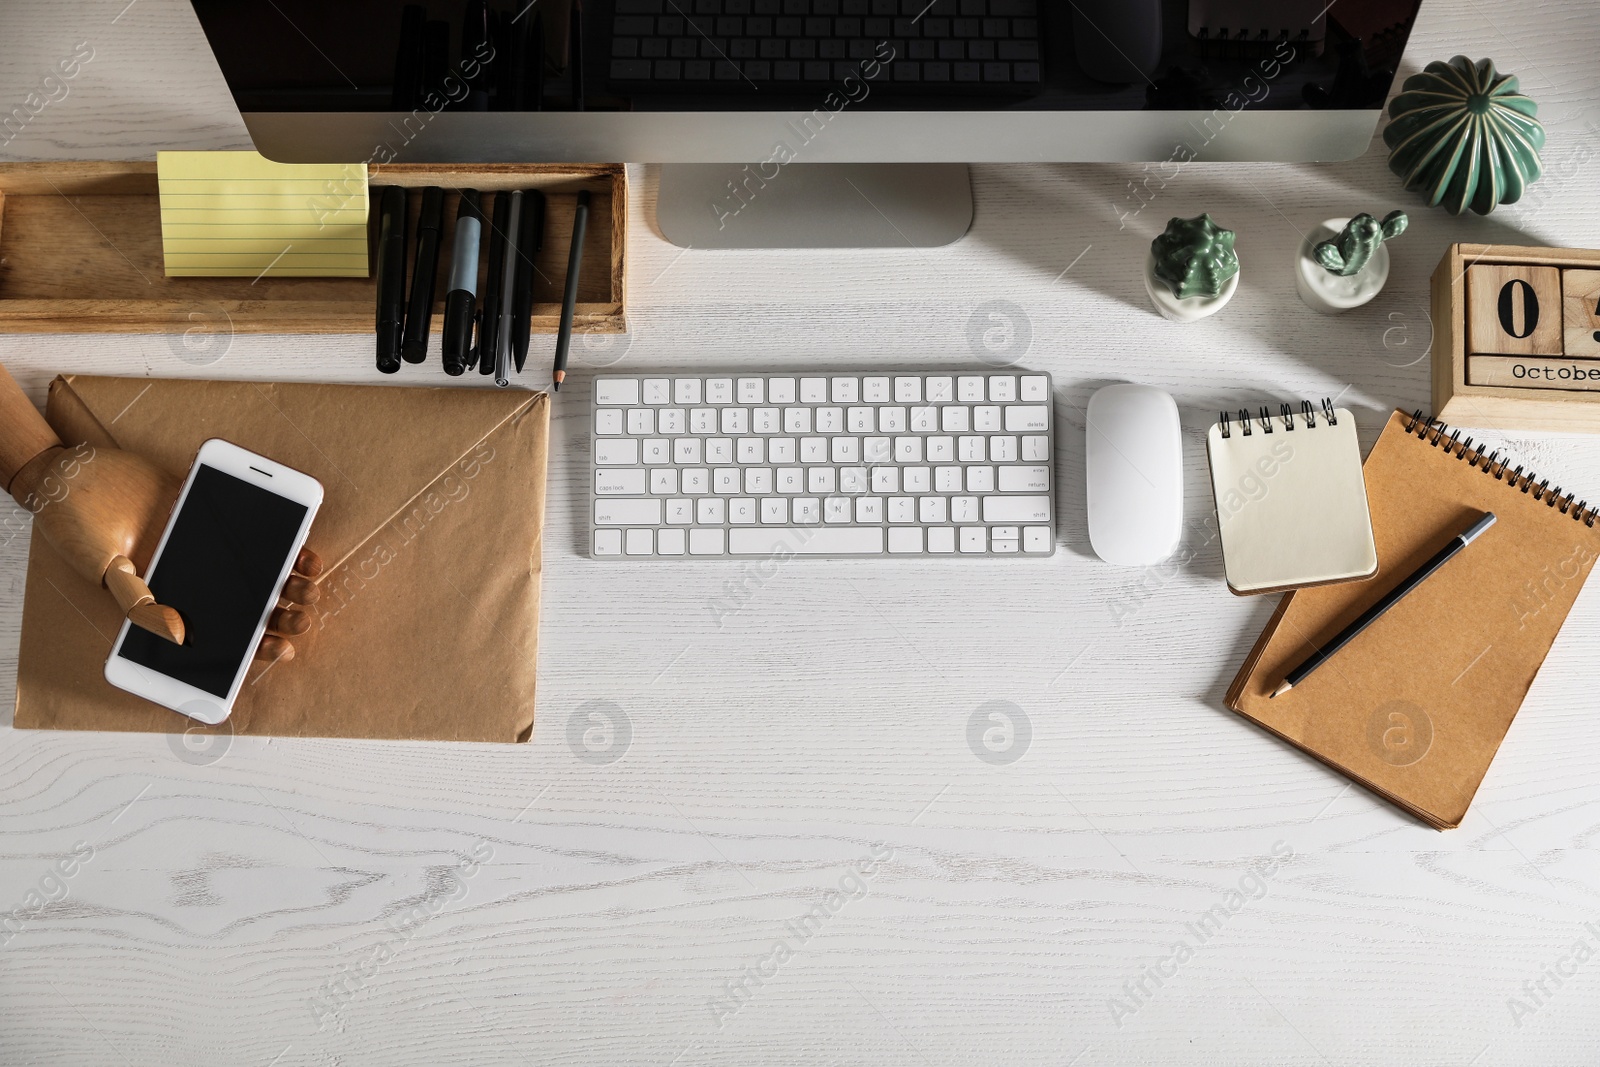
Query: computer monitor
792,122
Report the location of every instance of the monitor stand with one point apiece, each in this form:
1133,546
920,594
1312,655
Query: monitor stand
814,205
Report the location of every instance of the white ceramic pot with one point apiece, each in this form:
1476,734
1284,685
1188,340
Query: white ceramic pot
1329,293
1191,308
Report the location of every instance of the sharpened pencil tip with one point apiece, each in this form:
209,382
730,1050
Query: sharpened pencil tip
557,385
1283,687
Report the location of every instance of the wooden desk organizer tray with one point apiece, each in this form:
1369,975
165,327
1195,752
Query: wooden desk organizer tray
1516,338
80,252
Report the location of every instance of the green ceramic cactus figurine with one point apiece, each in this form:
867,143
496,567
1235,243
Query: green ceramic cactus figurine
1347,254
1194,257
1463,136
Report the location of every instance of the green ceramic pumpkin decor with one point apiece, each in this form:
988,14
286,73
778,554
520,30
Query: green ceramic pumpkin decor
1462,135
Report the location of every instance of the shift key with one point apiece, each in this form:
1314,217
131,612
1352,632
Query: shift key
1016,509
624,512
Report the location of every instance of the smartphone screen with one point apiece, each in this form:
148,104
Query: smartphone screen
219,569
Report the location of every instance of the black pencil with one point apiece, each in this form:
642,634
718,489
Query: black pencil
1385,602
569,299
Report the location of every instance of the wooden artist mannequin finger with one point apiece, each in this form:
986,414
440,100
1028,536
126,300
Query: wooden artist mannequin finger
103,510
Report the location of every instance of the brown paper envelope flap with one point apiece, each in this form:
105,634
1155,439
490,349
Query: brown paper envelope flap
374,448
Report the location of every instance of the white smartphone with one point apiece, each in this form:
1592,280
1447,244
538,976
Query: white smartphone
235,531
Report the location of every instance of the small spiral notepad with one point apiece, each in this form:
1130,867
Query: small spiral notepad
1291,500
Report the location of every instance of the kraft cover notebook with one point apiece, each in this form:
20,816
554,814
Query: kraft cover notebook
1416,706
1291,501
431,533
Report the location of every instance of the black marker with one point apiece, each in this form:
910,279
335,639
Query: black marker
489,317
391,277
475,45
419,317
529,241
461,301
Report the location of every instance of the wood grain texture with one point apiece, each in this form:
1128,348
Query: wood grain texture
316,903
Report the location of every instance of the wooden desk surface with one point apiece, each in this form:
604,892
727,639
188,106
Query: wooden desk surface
320,903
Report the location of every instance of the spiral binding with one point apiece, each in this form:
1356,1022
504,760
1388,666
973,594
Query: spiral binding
1434,432
1286,415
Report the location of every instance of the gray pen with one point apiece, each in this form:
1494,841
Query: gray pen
508,287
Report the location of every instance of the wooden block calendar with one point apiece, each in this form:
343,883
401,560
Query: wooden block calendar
1516,337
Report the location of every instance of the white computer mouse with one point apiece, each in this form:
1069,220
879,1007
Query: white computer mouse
1135,475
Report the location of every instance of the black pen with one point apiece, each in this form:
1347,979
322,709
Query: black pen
1387,601
419,317
391,277
569,298
461,300
406,93
489,317
508,295
529,242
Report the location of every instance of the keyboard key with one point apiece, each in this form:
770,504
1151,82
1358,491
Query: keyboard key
645,512
1002,388
616,391
686,391
741,511
790,480
735,420
774,509
608,542
1023,417
980,479
781,390
725,480
932,509
905,539
807,509
758,480
853,479
830,420
1034,387
974,539
749,450
942,539
964,509
1016,509
941,389
625,481
1003,449
813,390
969,389
751,391
956,418
807,541
969,449
696,481
941,449
680,512
781,450
705,542
875,390
1024,479
947,479
608,421
859,420
719,450
704,420
1035,449
836,509
892,419
986,418
917,479
907,390
664,481
616,453
669,542
686,450
846,450
708,511
640,542
670,420
657,391
845,390
1036,538
641,421
869,509
719,390
902,509
821,480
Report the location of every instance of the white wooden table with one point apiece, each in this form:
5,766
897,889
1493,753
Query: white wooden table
705,774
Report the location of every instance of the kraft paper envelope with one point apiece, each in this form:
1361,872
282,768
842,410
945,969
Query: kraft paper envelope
430,530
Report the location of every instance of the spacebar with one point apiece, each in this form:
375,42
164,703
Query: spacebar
806,540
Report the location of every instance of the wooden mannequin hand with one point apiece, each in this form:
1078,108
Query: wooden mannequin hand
290,619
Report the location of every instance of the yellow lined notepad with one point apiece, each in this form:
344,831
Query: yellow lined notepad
238,214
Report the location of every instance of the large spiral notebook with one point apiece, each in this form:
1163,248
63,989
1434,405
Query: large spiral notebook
1416,706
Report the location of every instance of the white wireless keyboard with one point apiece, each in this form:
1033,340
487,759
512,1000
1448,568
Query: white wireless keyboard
832,465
